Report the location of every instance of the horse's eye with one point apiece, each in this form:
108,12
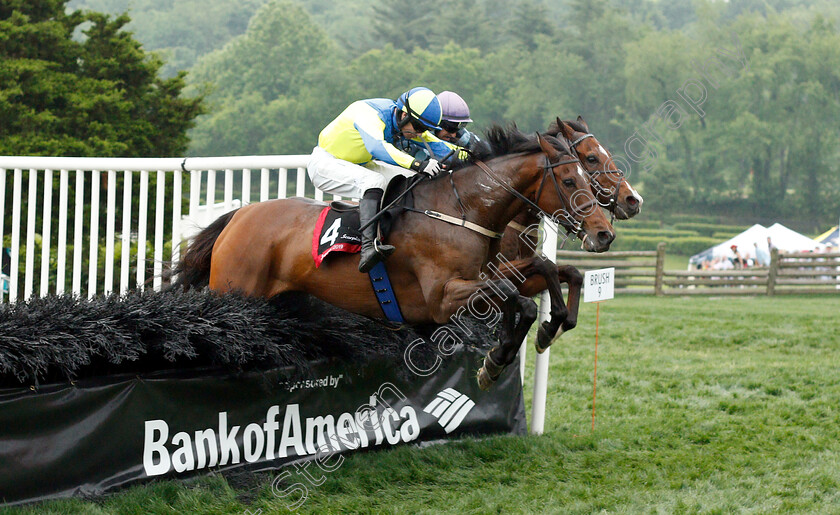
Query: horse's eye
569,182
592,159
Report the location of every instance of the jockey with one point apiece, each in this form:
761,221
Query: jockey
359,150
455,115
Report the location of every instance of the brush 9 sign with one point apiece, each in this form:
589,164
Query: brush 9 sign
599,285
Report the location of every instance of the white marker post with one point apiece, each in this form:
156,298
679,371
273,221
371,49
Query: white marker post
598,285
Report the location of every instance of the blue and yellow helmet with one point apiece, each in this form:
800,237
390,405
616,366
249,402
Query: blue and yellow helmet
421,104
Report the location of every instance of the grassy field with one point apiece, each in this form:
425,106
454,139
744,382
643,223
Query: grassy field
704,406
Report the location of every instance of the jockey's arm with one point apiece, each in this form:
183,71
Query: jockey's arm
371,128
440,149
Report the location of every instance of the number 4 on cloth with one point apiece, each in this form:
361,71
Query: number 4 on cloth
332,233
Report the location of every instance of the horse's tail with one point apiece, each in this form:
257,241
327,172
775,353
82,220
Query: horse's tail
193,270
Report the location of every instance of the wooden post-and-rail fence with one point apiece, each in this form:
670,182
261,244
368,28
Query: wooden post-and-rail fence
643,272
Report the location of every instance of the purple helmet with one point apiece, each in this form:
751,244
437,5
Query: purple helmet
454,108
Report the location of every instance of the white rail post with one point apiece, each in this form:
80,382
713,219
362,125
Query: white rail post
300,182
142,225
125,254
228,190
195,193
160,198
282,182
78,224
94,232
29,272
246,186
176,218
110,216
61,262
15,265
541,366
211,189
46,229
264,184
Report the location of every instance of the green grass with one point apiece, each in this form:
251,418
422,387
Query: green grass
704,405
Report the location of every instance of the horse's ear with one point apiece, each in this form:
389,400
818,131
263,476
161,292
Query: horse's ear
546,147
583,122
566,131
554,127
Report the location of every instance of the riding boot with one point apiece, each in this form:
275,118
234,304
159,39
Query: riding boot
372,250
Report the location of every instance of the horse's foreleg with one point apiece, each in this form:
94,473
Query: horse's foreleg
491,301
541,274
571,276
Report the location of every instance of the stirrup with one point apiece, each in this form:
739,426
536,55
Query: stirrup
383,250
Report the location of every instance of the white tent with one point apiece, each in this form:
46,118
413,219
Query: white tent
783,238
790,240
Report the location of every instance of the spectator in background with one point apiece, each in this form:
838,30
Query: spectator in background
737,260
770,245
721,263
762,257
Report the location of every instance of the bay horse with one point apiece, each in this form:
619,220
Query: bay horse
265,249
613,192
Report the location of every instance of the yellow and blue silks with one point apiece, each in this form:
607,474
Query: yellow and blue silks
367,130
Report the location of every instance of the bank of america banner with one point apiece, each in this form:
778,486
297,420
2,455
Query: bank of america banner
99,434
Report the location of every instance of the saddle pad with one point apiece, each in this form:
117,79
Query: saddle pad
335,231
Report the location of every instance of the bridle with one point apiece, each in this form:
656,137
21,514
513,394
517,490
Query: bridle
572,212
613,199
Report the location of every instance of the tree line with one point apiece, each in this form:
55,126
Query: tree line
717,107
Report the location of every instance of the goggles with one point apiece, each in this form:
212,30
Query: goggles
452,127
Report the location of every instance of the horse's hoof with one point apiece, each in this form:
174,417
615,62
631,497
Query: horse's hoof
485,382
489,373
544,341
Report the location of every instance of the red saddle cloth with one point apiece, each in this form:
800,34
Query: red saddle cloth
336,231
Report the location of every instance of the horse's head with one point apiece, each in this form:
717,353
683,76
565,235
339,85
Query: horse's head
608,182
565,193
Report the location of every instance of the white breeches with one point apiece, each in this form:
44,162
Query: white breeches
338,177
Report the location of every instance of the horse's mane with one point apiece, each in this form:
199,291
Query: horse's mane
501,141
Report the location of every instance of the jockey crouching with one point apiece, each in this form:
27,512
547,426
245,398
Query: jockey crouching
360,151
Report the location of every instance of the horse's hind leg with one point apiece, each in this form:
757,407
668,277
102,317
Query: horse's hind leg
541,274
502,355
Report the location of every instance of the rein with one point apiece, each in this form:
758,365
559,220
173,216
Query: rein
461,222
568,207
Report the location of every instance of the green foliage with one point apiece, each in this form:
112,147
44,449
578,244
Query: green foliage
664,233
763,146
675,218
725,235
627,242
690,245
635,223
709,229
273,88
679,245
98,96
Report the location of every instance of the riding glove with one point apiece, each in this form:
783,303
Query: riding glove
430,167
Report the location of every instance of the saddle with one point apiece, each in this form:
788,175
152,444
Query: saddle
338,224
395,188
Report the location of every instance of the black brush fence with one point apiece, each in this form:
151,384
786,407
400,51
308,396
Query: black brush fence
102,393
